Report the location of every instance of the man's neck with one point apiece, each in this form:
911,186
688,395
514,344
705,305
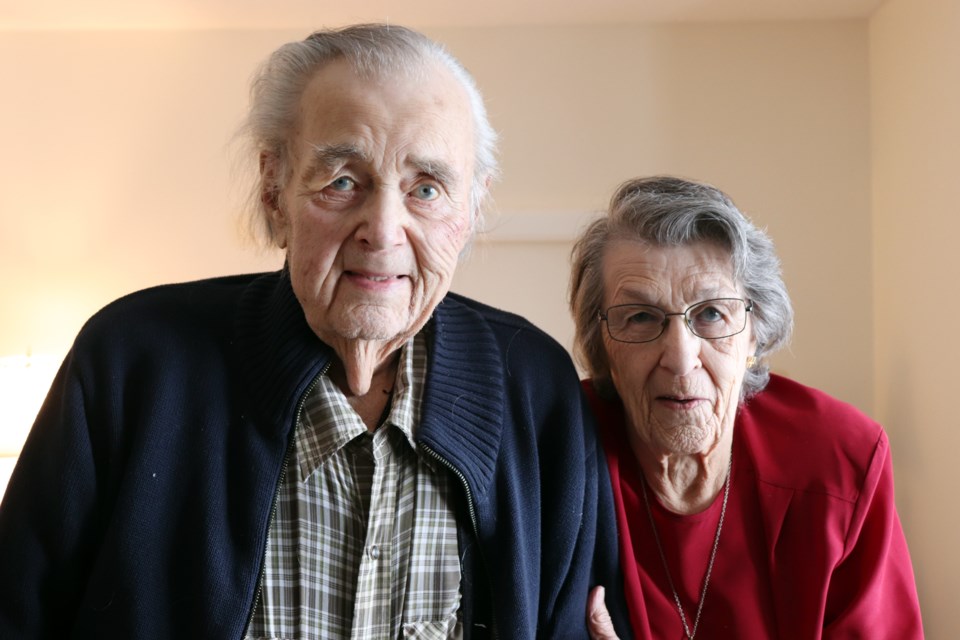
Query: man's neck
367,379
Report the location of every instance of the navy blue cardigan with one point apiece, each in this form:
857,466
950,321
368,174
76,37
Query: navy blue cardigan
141,502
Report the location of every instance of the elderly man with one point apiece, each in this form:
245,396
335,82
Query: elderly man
342,449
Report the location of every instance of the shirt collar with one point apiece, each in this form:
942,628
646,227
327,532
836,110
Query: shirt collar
329,423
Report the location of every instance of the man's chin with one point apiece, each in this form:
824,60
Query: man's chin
374,325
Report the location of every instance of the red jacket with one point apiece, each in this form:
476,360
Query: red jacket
811,547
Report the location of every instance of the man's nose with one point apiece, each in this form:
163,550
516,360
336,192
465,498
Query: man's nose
382,221
681,348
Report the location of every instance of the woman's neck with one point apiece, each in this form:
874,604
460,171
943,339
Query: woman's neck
685,483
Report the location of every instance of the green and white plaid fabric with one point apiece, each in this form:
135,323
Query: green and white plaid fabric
364,543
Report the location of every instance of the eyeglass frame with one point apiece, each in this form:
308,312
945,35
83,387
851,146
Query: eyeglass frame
603,316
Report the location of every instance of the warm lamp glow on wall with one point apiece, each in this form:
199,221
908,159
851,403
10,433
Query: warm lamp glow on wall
24,382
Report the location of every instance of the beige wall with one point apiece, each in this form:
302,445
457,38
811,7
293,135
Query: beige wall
116,173
776,114
115,176
915,95
114,170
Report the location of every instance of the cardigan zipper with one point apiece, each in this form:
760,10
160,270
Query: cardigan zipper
473,520
276,494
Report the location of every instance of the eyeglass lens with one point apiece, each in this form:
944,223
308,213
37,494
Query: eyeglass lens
710,319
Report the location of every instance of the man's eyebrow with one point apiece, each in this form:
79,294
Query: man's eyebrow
327,157
441,171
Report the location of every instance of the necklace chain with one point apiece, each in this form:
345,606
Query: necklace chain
713,552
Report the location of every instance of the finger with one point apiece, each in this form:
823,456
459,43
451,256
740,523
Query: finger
598,618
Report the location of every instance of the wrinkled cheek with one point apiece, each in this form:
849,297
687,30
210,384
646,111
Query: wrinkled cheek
308,270
455,239
432,284
441,252
434,281
725,407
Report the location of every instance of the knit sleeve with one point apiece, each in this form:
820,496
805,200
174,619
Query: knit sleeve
577,506
47,518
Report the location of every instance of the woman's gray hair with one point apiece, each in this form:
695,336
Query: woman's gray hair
372,50
669,212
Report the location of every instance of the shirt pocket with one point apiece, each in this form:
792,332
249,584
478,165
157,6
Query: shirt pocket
436,630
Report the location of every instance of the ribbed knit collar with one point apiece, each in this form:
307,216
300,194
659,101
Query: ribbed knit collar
462,417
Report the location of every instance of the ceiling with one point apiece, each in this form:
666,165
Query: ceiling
300,14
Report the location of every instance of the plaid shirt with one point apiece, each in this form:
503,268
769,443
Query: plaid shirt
364,542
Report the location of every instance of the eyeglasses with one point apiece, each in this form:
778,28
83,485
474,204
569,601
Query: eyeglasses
710,320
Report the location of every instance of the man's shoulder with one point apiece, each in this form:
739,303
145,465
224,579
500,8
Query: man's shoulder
196,296
504,325
159,312
495,349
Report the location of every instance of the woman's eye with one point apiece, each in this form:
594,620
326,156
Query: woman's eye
641,317
709,314
426,192
343,183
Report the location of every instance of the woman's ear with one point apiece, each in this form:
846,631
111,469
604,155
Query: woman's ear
271,196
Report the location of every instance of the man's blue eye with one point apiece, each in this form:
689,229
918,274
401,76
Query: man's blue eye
426,192
343,183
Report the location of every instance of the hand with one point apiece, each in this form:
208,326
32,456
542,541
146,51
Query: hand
598,618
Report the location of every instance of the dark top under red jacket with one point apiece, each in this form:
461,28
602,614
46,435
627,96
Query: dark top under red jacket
811,545
140,505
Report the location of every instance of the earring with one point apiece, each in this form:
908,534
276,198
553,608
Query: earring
751,362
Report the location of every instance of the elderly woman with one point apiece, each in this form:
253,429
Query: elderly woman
749,506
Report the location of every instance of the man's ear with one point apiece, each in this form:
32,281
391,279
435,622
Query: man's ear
270,198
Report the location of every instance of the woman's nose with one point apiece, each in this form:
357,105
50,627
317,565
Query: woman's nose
681,348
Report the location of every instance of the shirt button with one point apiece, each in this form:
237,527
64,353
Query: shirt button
374,551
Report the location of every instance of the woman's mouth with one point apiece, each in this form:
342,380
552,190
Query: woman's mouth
680,402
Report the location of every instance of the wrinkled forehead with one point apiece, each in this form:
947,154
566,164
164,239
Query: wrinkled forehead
424,99
642,270
423,80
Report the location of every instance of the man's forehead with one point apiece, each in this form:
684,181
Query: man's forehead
339,81
345,117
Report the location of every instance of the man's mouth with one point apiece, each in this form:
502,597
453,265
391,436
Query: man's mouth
374,277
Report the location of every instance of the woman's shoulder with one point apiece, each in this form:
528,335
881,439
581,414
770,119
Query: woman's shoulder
786,400
805,439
